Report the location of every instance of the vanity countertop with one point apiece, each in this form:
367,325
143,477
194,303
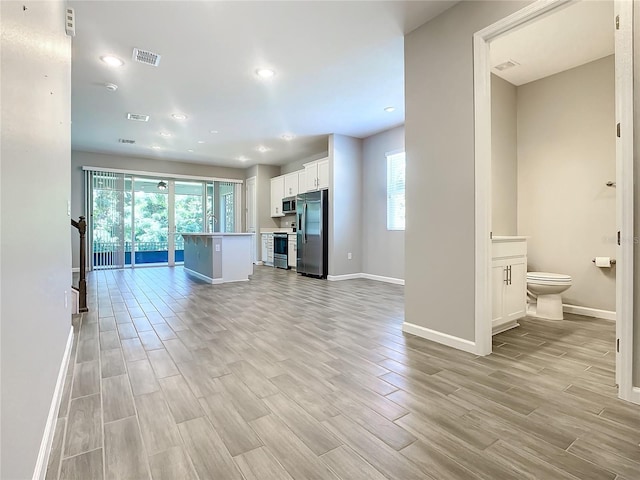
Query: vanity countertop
508,238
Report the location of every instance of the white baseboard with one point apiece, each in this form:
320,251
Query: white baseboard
210,280
50,427
349,276
368,276
259,263
589,312
439,337
380,278
635,395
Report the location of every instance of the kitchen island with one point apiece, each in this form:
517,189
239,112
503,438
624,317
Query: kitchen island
218,257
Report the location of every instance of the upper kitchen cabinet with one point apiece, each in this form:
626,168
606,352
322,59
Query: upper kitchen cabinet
317,175
291,184
277,194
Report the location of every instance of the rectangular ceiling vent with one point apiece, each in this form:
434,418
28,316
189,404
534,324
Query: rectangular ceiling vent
126,140
138,117
505,65
145,56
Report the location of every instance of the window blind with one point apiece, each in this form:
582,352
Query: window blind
395,191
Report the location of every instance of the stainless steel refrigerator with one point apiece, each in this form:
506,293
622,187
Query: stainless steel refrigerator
312,209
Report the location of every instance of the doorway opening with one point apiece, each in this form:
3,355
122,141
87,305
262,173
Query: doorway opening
623,234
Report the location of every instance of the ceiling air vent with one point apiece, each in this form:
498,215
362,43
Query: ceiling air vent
145,56
505,65
126,140
138,117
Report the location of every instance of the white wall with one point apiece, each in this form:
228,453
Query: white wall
35,249
345,205
80,159
636,166
566,154
439,134
299,164
382,249
504,153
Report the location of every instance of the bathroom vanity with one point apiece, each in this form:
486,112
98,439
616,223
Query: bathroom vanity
508,281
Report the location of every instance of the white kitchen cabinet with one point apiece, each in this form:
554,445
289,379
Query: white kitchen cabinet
291,184
267,249
323,174
292,252
277,194
302,183
317,175
509,282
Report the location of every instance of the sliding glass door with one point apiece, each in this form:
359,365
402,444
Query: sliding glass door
139,221
148,242
189,217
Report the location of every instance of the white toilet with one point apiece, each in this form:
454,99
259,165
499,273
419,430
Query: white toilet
545,289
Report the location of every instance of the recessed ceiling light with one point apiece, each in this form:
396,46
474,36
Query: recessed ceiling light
190,150
155,147
389,109
165,134
214,132
265,72
242,158
200,141
179,116
262,148
288,137
112,60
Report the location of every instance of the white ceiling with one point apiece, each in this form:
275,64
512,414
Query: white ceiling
565,38
338,65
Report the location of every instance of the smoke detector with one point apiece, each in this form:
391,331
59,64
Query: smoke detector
112,87
126,140
506,65
137,117
145,56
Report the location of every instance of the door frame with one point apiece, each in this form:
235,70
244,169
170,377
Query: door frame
624,181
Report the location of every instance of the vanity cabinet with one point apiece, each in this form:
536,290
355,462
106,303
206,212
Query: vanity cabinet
508,282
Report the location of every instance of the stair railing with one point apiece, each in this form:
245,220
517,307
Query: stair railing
81,226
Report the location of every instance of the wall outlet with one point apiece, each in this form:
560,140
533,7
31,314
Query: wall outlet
349,256
217,247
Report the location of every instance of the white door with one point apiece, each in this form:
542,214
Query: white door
623,13
515,297
251,212
498,279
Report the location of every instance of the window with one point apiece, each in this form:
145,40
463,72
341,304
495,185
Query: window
395,191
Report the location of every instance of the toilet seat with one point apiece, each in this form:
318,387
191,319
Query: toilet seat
547,278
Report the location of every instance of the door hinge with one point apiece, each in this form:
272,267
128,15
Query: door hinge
618,345
617,22
618,237
618,130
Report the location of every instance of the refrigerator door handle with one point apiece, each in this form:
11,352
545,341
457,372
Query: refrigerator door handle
304,229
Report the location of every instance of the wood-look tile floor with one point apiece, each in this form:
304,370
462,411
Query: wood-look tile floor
286,377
